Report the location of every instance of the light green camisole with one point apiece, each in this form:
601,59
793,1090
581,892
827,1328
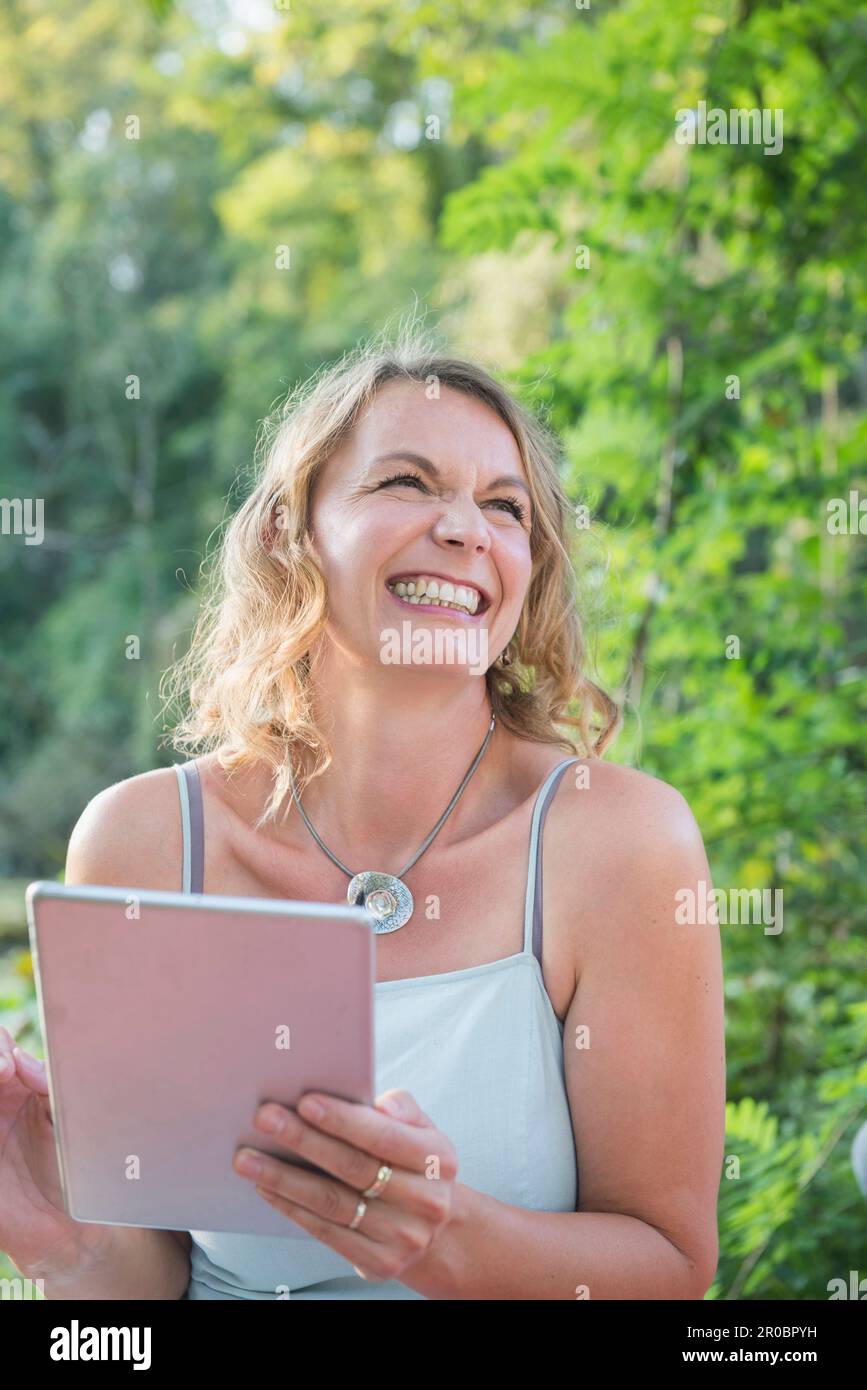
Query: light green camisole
481,1050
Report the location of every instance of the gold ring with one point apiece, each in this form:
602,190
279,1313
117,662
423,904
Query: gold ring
359,1212
379,1182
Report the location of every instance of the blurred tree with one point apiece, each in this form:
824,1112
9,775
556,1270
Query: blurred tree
199,205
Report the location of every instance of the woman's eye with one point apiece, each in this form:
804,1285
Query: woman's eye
511,504
411,478
506,504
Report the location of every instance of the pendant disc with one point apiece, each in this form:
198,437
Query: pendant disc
386,898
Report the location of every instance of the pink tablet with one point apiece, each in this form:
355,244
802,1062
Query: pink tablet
168,1018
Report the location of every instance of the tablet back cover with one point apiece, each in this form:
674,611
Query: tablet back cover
168,1019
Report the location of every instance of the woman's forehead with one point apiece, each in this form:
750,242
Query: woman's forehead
452,428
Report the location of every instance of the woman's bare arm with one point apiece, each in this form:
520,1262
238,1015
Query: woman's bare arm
136,1263
129,836
646,1081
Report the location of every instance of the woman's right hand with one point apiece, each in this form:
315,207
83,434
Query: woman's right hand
34,1224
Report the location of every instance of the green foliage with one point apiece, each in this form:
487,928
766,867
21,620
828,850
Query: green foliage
155,257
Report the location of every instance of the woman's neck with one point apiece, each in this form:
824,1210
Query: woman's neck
401,743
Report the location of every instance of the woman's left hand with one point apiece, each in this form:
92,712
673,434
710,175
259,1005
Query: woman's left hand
352,1142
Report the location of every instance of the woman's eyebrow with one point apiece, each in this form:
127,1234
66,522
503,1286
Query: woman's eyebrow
507,480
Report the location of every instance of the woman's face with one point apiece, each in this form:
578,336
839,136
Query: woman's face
421,520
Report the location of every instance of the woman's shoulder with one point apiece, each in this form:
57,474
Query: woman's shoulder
130,834
618,821
623,805
619,846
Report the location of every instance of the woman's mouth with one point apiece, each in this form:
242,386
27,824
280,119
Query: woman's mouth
428,591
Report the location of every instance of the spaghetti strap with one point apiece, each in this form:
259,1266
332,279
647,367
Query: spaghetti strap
192,826
533,899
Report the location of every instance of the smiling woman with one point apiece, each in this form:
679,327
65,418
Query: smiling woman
550,1105
396,440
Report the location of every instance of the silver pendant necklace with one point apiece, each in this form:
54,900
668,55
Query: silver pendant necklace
386,897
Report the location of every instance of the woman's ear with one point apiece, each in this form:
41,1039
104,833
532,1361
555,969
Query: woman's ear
271,530
310,542
273,536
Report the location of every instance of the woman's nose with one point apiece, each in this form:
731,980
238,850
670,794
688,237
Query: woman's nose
463,524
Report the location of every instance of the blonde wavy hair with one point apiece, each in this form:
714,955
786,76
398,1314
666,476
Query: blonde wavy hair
245,682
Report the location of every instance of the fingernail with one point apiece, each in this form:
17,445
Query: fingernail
249,1164
311,1109
393,1106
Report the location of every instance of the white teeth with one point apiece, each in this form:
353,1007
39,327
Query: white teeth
438,594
